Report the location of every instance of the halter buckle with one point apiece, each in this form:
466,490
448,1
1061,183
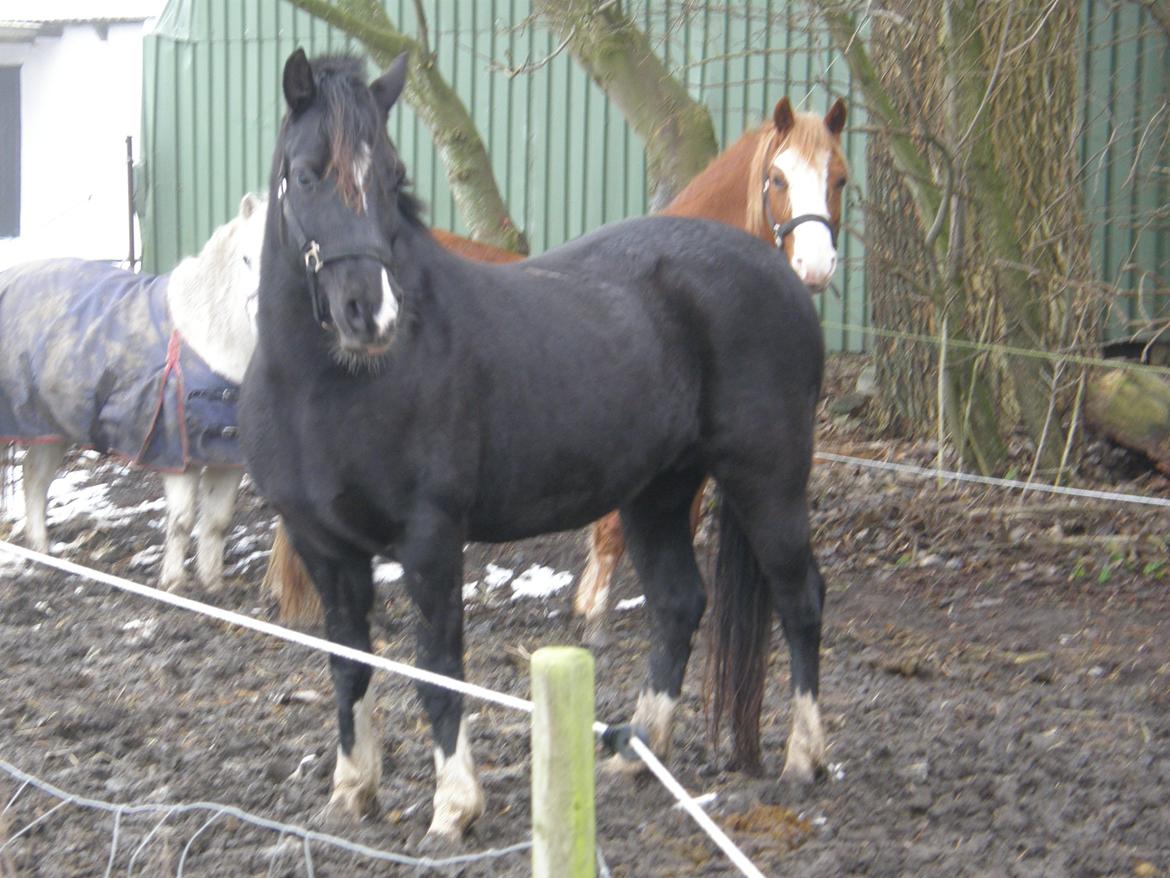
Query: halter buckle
313,257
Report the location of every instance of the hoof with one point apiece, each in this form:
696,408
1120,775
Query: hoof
801,773
448,828
619,765
438,844
172,577
624,760
349,804
213,586
210,574
171,584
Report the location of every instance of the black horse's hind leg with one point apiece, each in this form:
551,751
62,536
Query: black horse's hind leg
432,558
773,514
346,588
658,537
800,601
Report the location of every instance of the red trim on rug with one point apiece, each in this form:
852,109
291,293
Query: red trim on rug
174,348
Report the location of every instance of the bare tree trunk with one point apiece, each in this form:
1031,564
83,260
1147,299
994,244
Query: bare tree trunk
469,170
977,104
921,292
677,130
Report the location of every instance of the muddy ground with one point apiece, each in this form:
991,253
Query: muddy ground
996,689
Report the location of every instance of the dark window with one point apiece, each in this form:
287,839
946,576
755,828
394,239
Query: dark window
9,152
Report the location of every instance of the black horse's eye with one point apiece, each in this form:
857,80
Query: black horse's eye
304,177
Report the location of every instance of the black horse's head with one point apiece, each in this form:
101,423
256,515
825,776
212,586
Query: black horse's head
336,180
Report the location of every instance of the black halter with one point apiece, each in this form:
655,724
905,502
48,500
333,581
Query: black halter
315,257
780,231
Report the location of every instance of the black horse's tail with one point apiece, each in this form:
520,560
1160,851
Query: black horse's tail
741,627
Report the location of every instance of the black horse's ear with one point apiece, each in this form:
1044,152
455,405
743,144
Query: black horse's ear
299,89
783,117
835,118
388,86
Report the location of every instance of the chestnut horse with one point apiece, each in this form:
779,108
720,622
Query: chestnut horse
782,182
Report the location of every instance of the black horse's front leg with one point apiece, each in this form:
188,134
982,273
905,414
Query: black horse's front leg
432,558
346,588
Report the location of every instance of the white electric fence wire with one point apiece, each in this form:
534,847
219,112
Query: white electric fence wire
232,618
685,800
934,473
697,813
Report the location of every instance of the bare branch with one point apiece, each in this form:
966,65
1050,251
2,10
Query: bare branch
423,37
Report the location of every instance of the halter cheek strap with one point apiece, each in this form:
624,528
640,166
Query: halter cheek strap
316,258
780,231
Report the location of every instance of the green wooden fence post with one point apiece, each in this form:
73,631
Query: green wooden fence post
562,763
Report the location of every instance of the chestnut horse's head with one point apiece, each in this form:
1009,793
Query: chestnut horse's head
798,177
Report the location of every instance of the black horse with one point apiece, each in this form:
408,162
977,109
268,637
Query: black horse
403,401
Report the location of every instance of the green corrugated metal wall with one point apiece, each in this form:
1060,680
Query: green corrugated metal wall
1126,155
564,158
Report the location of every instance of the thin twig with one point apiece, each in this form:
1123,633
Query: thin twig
424,39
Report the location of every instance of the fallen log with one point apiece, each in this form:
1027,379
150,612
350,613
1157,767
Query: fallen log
1132,407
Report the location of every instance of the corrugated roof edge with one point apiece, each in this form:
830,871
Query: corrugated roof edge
79,11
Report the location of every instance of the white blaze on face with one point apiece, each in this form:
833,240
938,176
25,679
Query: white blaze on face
814,257
361,171
388,310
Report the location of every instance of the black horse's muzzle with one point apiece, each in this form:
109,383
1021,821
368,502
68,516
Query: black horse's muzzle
359,327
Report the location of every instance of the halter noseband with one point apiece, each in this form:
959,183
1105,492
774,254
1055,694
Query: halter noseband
315,258
780,231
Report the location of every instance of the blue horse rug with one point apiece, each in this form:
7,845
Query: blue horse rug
89,355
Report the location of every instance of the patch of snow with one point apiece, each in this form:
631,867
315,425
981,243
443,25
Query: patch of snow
248,560
70,497
242,541
148,557
140,630
539,582
702,801
497,576
630,603
11,565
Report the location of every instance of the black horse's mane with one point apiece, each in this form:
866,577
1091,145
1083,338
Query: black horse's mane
351,118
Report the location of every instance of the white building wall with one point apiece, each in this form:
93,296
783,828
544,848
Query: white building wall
81,95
